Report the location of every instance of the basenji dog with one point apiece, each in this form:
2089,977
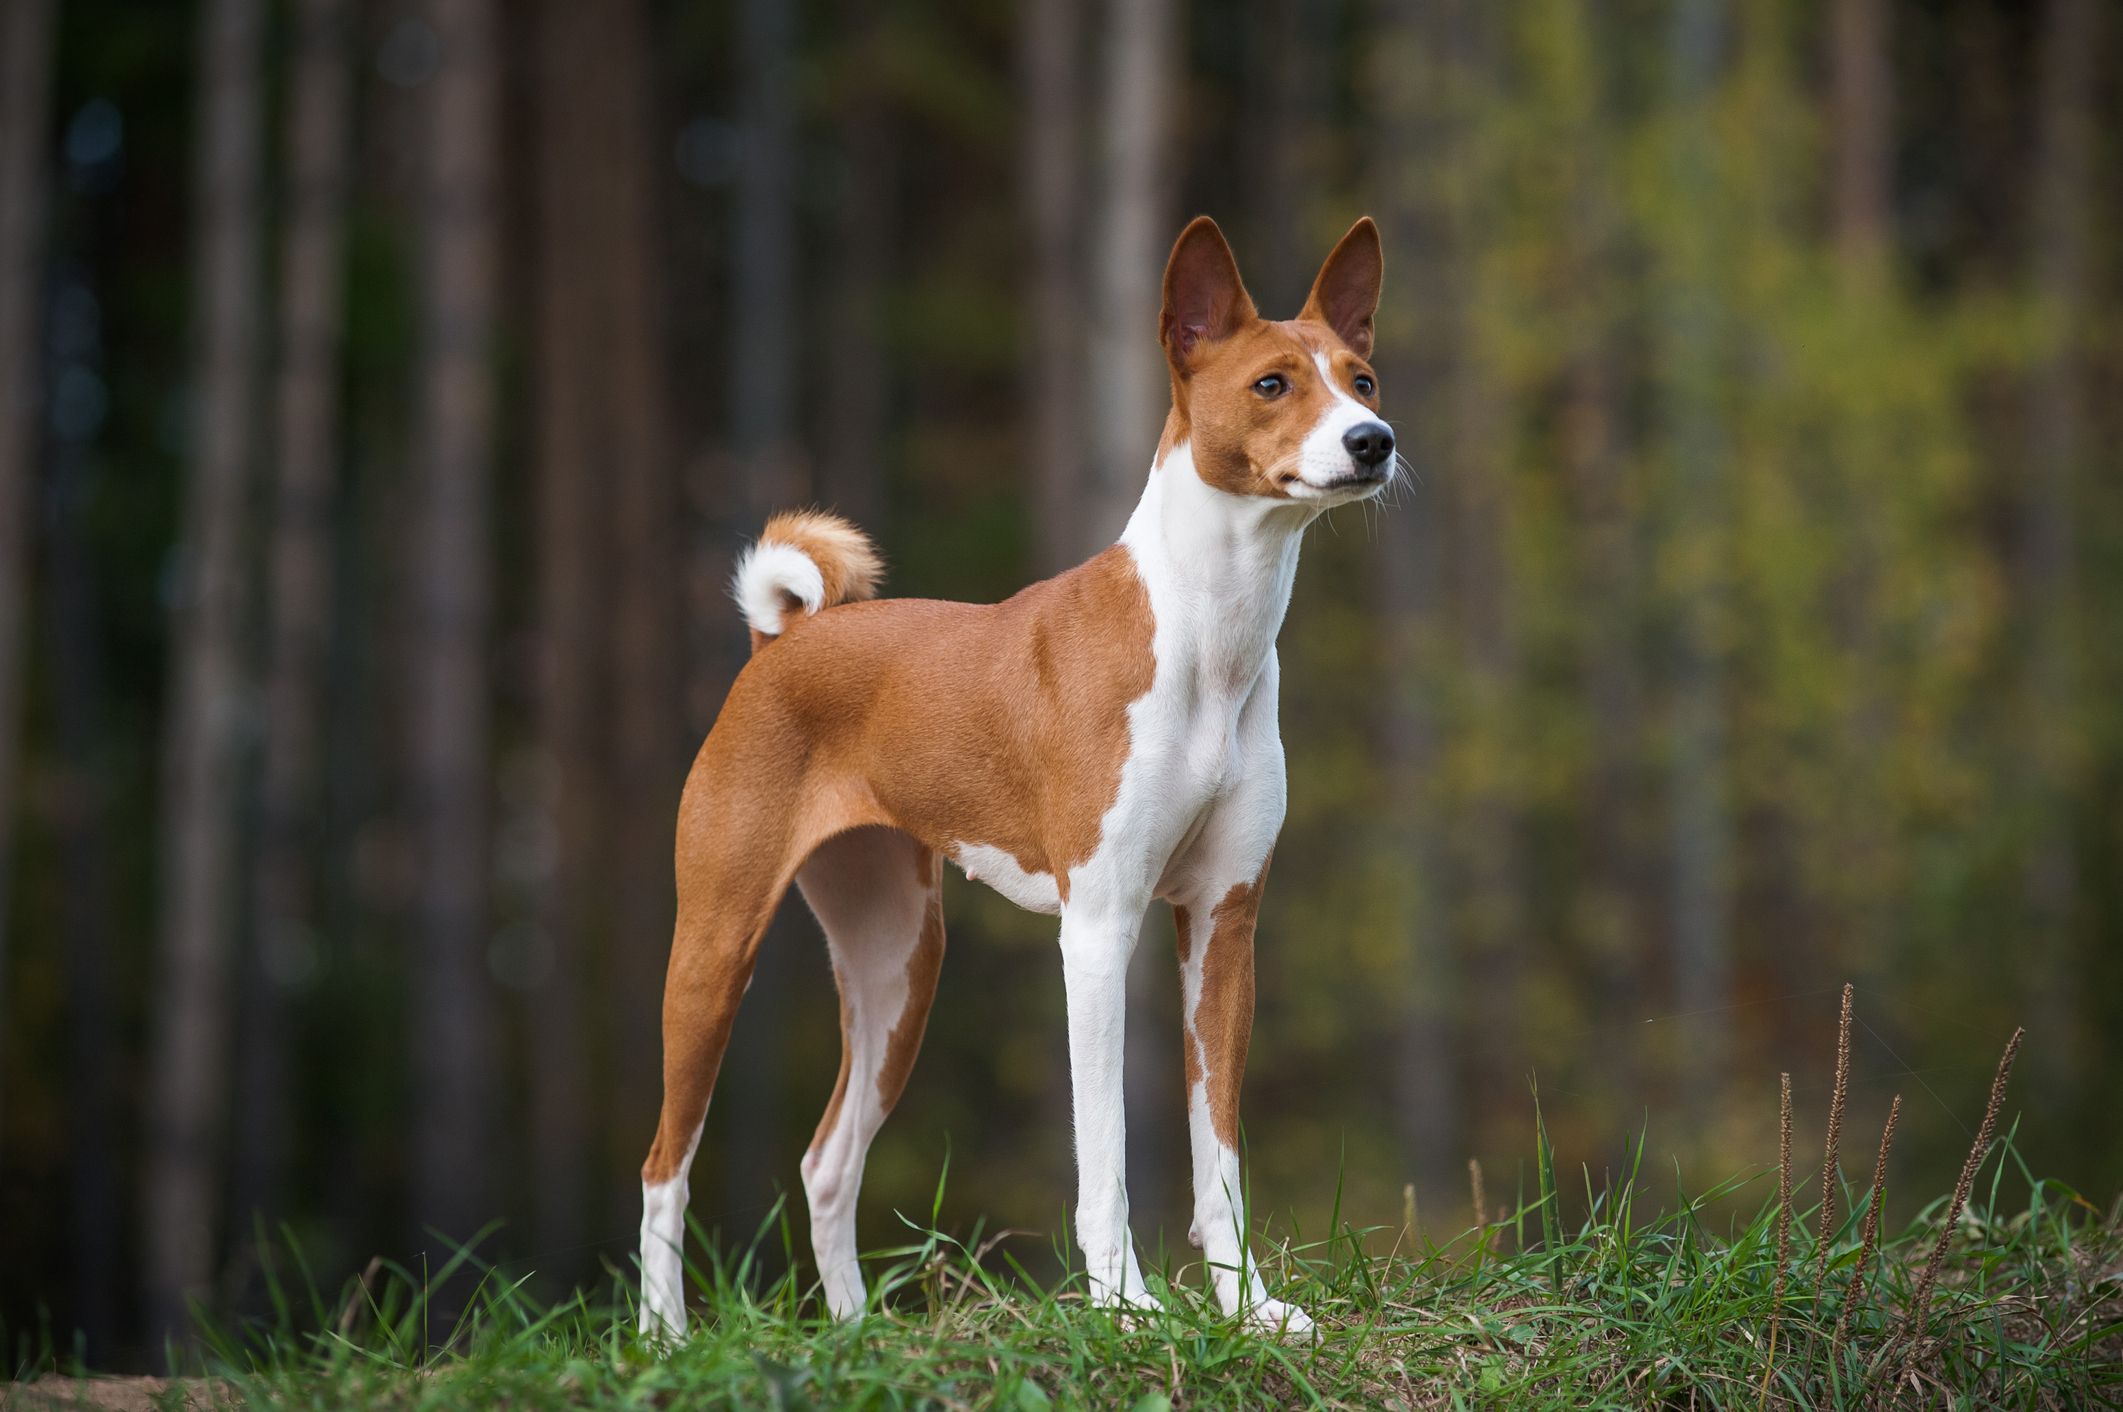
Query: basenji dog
1103,739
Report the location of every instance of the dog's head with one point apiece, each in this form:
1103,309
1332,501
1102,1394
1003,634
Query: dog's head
1285,410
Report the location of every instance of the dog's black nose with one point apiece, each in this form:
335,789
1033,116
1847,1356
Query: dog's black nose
1369,442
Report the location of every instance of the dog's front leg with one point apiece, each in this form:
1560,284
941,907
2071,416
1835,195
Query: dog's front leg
1096,943
1214,927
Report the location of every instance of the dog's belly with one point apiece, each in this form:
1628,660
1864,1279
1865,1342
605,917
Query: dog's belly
983,863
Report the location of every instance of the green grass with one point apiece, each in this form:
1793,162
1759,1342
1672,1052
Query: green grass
1642,1298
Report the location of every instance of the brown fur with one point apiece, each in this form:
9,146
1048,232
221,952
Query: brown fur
1218,348
848,563
1002,724
846,559
923,968
847,1062
1183,941
1223,1017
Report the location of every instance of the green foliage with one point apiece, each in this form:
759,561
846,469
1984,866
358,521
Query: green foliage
1619,1311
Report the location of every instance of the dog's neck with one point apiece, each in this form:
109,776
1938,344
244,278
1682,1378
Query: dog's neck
1219,568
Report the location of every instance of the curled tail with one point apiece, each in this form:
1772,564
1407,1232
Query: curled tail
803,561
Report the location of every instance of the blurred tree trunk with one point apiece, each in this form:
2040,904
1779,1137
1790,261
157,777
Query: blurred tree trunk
306,452
648,737
1861,107
26,57
1281,75
81,821
1128,385
1134,229
188,1052
1613,911
851,468
763,352
1482,847
1051,41
1693,345
1861,131
2056,420
571,612
452,1024
1418,183
1292,54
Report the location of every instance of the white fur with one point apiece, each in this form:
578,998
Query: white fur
1201,799
980,862
864,890
771,579
1323,465
663,1233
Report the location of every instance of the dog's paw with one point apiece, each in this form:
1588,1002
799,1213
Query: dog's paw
1272,1316
1132,1309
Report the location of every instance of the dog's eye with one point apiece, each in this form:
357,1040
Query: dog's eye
1364,385
1273,385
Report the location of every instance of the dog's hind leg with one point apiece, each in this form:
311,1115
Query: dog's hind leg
737,851
879,896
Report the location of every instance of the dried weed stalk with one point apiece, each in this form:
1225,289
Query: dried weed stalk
1920,1302
1835,1138
1776,1297
1868,1239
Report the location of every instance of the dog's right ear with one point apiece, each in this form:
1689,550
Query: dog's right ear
1205,299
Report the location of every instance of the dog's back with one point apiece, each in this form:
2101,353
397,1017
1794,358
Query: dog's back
1001,726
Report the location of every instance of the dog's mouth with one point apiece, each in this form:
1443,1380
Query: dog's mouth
1358,477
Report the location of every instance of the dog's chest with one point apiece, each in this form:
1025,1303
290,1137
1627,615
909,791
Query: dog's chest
1192,741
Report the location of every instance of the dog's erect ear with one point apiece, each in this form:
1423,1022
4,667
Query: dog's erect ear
1205,300
1345,296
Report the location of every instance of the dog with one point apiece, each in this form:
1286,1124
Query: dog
1101,739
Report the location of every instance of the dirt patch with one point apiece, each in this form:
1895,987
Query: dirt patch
53,1392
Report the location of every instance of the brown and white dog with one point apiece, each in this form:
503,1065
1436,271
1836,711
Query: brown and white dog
1100,740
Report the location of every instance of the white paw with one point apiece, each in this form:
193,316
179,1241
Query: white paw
1131,1308
844,1292
663,1324
1272,1316
1116,1282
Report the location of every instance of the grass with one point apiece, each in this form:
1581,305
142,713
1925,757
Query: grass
1645,1299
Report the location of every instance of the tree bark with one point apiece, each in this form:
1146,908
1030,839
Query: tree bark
771,474
851,466
649,746
1128,384
187,1103
1483,848
1417,152
1692,336
82,823
1051,45
26,58
452,1022
1862,229
1613,911
570,607
1861,103
306,455
2056,431
1127,374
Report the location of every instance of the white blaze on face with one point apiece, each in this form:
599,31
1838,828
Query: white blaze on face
1323,462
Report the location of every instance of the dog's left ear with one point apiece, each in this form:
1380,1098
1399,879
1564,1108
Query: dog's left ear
1205,300
1345,296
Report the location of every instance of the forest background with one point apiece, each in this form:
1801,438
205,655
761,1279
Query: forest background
387,385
